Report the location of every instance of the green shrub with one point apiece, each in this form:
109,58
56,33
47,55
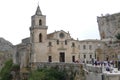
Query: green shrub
47,74
5,71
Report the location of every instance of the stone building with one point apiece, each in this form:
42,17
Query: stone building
89,49
54,47
57,46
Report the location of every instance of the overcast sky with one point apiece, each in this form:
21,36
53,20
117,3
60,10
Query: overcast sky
79,17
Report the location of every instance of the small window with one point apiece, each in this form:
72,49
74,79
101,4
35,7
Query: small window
50,44
73,44
84,46
84,56
73,58
57,42
65,42
49,58
40,22
90,56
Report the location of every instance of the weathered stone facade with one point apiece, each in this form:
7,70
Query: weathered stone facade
42,49
89,49
55,47
58,46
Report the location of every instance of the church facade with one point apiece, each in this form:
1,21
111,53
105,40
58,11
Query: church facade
55,47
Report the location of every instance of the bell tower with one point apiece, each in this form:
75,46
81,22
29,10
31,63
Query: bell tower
38,34
38,29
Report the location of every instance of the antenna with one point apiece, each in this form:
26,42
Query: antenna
38,3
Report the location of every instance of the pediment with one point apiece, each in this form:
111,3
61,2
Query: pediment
59,35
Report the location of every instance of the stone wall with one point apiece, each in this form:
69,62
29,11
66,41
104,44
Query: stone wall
91,68
93,76
97,73
111,77
93,72
72,69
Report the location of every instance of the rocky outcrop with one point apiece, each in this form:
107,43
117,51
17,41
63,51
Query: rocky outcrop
6,51
5,45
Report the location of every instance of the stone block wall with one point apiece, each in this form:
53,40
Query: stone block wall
95,69
73,70
93,72
111,77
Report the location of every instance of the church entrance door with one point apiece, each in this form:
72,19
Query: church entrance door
62,57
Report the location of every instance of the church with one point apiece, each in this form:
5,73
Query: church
54,47
57,46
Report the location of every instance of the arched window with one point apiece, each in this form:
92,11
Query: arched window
40,22
40,37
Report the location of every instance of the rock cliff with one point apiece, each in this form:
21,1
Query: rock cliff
5,45
6,51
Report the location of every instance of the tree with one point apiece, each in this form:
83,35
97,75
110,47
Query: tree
118,36
5,71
